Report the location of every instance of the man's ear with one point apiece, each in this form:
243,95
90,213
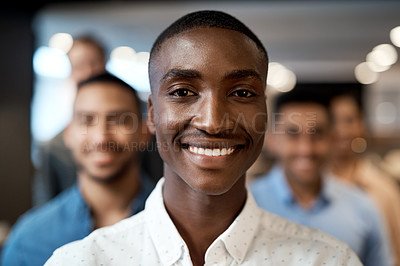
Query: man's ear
67,136
150,116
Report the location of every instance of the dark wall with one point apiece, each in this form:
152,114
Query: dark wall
16,83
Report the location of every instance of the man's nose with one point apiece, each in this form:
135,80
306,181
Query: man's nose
101,132
212,115
305,144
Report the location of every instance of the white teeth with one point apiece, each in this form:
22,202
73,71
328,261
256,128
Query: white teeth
216,152
208,152
212,152
223,151
200,151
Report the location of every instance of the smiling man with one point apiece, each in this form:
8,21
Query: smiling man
298,187
207,109
104,137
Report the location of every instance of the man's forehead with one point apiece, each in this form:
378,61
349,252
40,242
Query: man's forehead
303,111
199,36
177,51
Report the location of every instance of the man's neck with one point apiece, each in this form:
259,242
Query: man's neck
201,218
305,193
110,201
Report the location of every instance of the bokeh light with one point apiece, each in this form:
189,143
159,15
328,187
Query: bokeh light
358,145
61,41
52,63
280,78
383,55
131,67
395,36
364,74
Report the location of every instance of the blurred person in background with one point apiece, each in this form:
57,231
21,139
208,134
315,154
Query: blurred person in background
348,163
105,138
56,169
87,57
266,160
297,188
264,163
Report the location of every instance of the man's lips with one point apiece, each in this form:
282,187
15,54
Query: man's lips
305,164
102,158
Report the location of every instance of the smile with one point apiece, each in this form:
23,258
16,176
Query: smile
211,152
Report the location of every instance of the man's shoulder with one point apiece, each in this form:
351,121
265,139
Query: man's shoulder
349,193
281,228
40,225
40,217
104,240
294,240
355,200
132,225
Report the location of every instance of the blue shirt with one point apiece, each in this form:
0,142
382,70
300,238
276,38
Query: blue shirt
66,218
341,210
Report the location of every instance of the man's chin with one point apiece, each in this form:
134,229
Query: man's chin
103,176
306,175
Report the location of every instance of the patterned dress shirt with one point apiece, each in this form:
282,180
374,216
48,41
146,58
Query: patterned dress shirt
256,237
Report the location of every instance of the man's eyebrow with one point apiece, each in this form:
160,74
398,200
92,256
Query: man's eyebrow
181,73
79,112
242,73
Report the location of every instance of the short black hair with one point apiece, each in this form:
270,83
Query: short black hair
205,19
305,93
354,91
107,77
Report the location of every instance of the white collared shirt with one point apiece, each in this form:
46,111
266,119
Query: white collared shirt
256,237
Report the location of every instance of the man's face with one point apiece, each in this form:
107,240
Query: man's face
105,131
208,108
86,61
348,125
301,140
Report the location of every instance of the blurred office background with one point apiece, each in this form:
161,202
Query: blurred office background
308,41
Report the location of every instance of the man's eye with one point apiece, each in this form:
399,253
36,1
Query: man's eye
243,93
182,93
293,132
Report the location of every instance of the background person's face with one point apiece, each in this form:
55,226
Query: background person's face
104,133
208,109
301,140
348,125
86,61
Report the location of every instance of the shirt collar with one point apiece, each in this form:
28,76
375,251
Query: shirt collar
137,204
165,236
80,209
283,191
170,245
240,234
285,194
146,186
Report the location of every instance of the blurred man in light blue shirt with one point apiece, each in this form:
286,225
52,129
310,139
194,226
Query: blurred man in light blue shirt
297,188
104,137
